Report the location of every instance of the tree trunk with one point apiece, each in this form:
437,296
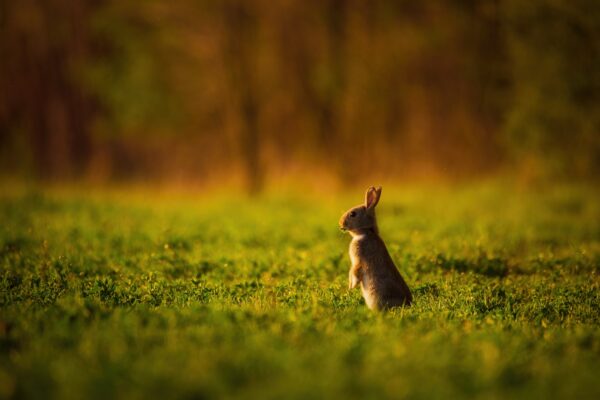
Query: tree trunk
240,42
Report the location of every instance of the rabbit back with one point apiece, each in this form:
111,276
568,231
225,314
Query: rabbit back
382,285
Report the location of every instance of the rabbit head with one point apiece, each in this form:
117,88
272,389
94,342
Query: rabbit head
362,218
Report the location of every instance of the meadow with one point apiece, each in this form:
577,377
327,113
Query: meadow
132,294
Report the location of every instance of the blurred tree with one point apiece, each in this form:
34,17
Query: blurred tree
240,52
126,73
554,118
43,47
197,89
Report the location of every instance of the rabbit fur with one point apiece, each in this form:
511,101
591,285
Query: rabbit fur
372,267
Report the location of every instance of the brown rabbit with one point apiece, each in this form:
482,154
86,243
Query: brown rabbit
381,284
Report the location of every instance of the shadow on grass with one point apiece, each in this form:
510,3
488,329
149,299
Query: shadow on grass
484,265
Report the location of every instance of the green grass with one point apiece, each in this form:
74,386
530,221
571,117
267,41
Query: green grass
137,296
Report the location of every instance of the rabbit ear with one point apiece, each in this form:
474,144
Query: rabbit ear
368,196
372,197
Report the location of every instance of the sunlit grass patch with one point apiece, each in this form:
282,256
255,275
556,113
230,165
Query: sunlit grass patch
110,295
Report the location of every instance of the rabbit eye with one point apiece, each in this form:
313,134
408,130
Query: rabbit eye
353,213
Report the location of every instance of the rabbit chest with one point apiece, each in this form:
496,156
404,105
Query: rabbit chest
354,251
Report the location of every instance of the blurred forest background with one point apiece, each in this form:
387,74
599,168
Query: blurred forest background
251,91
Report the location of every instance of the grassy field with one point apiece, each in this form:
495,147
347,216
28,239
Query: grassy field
135,295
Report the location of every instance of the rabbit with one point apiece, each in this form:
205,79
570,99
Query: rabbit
381,284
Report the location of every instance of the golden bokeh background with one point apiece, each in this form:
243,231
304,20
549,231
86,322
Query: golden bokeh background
253,92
